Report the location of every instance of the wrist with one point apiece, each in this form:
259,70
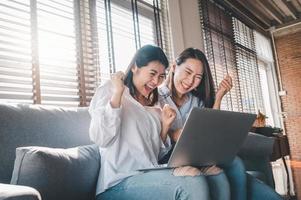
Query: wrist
118,91
165,127
218,96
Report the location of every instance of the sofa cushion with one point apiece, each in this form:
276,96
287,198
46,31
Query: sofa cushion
256,145
58,173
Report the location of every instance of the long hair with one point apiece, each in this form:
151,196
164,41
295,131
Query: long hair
143,56
205,90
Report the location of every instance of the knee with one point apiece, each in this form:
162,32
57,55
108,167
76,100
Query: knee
192,188
219,180
219,186
238,164
236,171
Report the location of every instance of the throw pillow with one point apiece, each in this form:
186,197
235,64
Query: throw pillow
58,174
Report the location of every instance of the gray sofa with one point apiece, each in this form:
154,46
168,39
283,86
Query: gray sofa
60,173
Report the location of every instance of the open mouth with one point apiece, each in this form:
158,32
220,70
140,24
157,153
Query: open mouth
149,88
185,86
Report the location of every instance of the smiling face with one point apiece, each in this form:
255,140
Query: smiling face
188,75
148,78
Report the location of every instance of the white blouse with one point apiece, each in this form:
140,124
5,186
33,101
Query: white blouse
128,137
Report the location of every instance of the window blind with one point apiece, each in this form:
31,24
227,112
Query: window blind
55,51
230,49
247,66
15,51
219,48
125,26
87,49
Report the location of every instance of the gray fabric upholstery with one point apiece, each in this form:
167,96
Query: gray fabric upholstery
28,125
255,153
257,145
58,174
18,192
31,125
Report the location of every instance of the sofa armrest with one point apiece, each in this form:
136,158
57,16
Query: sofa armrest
256,145
18,192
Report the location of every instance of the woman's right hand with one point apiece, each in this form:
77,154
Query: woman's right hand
169,78
118,82
224,87
118,87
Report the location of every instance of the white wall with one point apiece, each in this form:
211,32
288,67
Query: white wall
185,25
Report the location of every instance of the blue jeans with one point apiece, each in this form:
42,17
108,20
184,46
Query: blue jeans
244,186
219,187
158,184
236,173
258,190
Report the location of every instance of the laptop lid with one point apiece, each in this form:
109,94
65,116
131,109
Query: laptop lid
210,137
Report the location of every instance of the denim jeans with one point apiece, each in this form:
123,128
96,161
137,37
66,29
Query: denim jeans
236,173
244,186
219,186
258,190
158,184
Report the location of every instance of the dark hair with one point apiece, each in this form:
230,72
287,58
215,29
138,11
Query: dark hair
143,56
205,90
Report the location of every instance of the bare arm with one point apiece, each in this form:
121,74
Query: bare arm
223,88
168,115
174,135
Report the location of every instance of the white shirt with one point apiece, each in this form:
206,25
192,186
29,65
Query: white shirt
183,111
128,137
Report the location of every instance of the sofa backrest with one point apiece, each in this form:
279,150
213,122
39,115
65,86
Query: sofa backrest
32,125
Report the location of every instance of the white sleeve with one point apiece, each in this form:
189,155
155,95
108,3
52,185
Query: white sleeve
105,120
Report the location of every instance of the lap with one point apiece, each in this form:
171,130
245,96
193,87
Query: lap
158,184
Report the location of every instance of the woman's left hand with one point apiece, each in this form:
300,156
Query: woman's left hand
211,170
224,87
168,115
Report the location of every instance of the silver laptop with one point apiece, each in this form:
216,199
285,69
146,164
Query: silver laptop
209,137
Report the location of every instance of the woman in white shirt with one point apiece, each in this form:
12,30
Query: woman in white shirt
127,127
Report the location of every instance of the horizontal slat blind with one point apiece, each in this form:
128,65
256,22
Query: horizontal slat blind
230,49
218,37
87,46
247,65
124,26
103,40
123,34
54,51
15,52
166,31
57,52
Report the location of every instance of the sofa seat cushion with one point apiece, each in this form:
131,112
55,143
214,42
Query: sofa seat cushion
58,174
